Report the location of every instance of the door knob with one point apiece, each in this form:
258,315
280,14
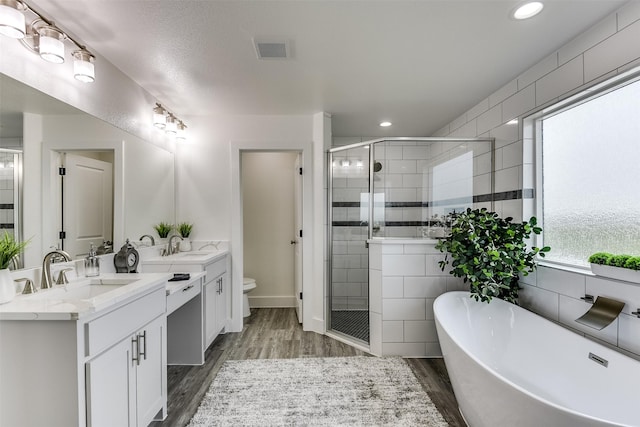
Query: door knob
294,242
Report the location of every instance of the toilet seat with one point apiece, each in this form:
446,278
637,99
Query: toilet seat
248,284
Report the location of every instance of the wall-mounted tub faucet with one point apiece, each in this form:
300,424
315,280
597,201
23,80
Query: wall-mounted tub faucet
603,311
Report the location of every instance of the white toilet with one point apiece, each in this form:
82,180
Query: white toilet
248,284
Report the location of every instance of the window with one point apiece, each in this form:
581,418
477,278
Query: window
589,173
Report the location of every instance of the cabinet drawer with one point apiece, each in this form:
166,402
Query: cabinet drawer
181,296
107,330
215,269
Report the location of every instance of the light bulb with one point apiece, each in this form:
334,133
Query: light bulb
12,21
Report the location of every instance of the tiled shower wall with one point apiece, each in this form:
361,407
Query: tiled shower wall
406,182
350,263
7,193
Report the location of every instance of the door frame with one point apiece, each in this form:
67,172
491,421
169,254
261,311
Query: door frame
237,245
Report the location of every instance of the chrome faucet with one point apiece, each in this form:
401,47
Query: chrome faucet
153,241
172,249
46,281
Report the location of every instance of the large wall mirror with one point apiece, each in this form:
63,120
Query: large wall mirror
115,185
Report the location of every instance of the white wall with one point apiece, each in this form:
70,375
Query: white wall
208,180
269,226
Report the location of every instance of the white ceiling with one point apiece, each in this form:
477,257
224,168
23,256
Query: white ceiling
419,64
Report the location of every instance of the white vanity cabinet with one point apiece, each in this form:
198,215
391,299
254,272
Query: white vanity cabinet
126,384
88,366
215,299
215,292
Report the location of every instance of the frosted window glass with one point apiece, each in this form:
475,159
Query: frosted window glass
591,176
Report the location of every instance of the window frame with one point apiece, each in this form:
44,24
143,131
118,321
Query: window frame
532,133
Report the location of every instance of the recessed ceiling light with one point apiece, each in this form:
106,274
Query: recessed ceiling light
385,124
527,10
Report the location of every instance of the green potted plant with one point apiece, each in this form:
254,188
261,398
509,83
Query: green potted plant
9,249
163,229
184,228
620,267
490,253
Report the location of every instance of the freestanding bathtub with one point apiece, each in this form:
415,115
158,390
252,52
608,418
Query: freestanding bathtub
512,368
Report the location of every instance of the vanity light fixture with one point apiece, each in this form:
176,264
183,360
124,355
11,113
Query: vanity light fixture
182,131
43,37
83,68
385,124
12,20
527,10
165,119
50,45
172,125
159,119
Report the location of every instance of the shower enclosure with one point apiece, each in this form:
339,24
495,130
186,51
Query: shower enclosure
394,188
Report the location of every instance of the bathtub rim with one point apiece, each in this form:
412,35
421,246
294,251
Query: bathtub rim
501,377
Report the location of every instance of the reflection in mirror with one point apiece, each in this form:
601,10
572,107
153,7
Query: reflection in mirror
46,131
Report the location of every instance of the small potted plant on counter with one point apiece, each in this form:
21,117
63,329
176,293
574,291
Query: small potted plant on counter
163,229
184,228
9,250
490,253
620,267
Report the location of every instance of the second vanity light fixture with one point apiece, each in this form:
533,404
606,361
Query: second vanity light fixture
44,38
166,120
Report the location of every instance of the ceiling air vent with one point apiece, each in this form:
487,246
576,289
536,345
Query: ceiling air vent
271,49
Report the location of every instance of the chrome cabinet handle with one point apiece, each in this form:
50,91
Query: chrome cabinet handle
136,353
142,353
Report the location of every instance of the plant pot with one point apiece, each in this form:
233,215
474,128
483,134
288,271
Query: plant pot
185,245
7,286
617,273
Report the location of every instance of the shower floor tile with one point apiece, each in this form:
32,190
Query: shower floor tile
354,323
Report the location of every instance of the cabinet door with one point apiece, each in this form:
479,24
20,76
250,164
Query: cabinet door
221,303
151,384
110,386
210,293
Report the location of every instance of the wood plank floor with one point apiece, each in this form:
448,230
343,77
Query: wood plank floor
276,334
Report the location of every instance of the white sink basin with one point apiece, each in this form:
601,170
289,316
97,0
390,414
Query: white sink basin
83,290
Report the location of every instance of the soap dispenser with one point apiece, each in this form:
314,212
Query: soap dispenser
92,263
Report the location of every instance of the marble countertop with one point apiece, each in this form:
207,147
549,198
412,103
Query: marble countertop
70,302
193,257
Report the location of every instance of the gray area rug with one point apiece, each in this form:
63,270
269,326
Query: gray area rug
341,391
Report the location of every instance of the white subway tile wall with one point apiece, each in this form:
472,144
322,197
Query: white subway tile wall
411,280
555,294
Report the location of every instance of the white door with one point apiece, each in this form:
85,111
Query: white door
87,203
297,264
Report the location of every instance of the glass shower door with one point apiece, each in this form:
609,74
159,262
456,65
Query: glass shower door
348,311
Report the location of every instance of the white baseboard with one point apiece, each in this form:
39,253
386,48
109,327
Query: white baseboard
272,302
